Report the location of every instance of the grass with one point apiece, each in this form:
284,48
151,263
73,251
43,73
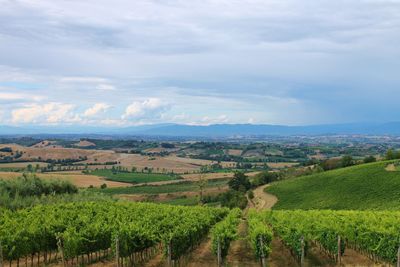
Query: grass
188,201
363,187
134,177
183,201
185,186
11,169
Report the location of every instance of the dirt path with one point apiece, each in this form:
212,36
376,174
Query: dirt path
263,200
240,253
280,255
202,256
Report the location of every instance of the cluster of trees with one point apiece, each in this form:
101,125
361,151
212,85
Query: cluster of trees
345,161
392,154
29,190
11,157
31,185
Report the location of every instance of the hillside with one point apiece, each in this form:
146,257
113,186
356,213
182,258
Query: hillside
367,186
213,130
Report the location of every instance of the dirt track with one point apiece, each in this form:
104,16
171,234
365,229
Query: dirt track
263,200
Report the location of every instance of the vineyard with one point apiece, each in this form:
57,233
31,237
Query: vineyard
127,231
362,187
375,234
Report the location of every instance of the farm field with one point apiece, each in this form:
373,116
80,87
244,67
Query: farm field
213,175
184,186
363,187
22,164
78,179
134,177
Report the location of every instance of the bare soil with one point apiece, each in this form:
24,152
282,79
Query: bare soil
263,200
84,143
202,256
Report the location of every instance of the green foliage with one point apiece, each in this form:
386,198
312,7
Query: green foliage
183,201
367,186
336,163
166,188
392,154
347,161
265,177
250,194
374,232
233,199
30,201
239,182
369,159
31,185
134,177
92,226
259,232
225,232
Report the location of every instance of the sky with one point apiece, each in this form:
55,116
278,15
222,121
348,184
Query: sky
123,62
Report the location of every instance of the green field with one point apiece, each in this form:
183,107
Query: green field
183,201
367,186
159,189
134,177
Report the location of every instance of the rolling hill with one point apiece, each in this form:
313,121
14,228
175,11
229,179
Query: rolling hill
367,186
215,130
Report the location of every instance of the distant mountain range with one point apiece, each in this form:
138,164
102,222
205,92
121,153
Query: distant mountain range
217,130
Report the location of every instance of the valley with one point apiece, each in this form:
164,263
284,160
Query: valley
256,187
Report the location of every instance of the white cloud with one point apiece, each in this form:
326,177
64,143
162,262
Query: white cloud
96,109
213,120
105,87
149,108
83,80
18,96
319,52
50,113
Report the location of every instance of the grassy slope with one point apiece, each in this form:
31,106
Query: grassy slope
133,177
367,186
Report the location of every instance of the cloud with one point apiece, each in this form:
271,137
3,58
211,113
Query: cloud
9,96
83,80
284,61
49,113
96,109
105,87
149,108
213,120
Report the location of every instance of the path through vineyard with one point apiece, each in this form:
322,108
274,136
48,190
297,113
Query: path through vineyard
263,200
241,253
281,256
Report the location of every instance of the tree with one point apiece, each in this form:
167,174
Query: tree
390,154
233,199
29,168
369,159
265,177
347,161
202,184
240,182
